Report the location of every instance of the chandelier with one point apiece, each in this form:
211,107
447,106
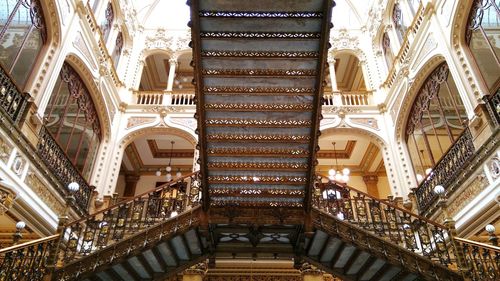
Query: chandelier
335,174
168,169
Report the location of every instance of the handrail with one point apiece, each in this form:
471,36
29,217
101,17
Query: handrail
482,261
457,155
63,169
478,244
13,102
131,198
118,222
27,261
29,243
386,220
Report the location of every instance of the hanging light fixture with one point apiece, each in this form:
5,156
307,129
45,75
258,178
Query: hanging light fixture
335,174
169,167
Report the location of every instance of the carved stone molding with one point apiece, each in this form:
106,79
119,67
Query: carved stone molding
40,189
170,41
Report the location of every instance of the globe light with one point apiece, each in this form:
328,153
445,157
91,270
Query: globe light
158,173
331,172
20,225
178,174
346,171
428,171
169,169
345,178
490,228
73,187
338,176
439,189
168,177
173,214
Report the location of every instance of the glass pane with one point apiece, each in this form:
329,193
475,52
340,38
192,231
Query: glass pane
26,60
15,34
6,8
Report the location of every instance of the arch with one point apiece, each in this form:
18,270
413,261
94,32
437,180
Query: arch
462,52
99,101
47,55
139,132
412,91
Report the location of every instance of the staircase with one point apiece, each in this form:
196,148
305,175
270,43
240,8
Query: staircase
259,68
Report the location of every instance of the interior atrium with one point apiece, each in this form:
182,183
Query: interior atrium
249,140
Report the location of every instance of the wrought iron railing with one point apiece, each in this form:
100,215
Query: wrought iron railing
109,226
13,102
385,220
493,107
445,170
63,169
26,261
483,261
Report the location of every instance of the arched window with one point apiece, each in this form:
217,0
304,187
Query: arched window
397,20
107,23
118,49
482,38
22,35
386,48
72,120
436,120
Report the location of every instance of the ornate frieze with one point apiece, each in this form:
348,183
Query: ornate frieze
172,41
259,72
261,54
36,184
265,138
257,165
259,106
258,123
251,14
369,122
266,35
5,150
6,200
257,90
257,151
261,179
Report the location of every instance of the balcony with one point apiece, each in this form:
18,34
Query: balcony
164,98
348,98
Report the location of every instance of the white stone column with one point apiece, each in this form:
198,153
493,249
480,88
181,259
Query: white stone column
171,73
333,77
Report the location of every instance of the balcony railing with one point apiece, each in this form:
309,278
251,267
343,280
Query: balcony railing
350,98
445,171
493,106
63,169
13,102
483,261
163,98
389,222
26,261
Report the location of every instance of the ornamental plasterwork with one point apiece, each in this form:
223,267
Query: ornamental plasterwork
137,121
5,150
18,165
375,17
344,40
494,167
40,189
368,122
470,191
185,122
6,200
340,110
172,41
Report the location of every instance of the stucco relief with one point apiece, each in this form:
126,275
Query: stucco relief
137,121
5,150
40,189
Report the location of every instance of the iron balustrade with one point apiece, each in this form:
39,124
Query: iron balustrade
26,261
493,106
445,171
120,221
63,169
385,220
13,102
483,261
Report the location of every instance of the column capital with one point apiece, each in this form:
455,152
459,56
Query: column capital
172,61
